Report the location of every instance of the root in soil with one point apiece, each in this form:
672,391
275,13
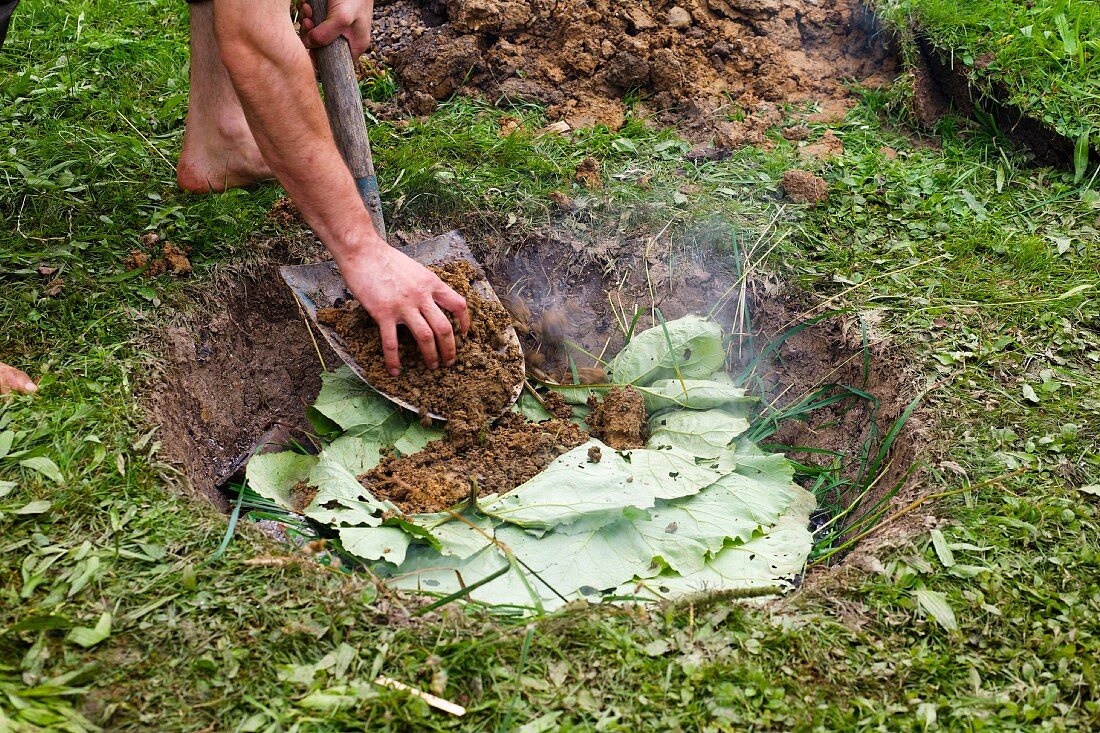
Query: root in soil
470,393
510,452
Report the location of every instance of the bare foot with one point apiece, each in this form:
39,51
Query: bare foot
13,380
219,157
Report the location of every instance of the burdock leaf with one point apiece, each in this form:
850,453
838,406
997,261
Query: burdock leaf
766,563
273,475
415,437
695,394
577,494
376,543
702,433
357,409
696,350
426,570
341,499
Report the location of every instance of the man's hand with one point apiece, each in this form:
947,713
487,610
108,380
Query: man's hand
348,18
398,290
13,380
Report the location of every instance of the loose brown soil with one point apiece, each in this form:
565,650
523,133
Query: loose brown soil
803,187
619,419
693,61
441,475
470,393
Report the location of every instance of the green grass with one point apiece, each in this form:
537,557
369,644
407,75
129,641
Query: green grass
1044,54
959,256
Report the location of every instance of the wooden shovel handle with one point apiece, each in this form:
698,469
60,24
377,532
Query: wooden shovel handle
344,106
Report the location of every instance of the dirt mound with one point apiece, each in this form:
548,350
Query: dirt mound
476,388
689,58
620,419
510,453
803,187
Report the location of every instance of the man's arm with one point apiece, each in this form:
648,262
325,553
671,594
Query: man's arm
273,76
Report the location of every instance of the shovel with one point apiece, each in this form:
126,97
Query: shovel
320,285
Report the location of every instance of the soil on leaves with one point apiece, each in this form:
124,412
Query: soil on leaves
468,394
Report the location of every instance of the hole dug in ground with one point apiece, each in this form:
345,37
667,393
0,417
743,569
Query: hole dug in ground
244,363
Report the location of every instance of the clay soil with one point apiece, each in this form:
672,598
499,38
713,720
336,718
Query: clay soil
511,452
470,393
699,63
620,418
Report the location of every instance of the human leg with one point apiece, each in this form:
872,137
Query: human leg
219,151
7,7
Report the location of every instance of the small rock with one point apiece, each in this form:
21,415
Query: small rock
679,18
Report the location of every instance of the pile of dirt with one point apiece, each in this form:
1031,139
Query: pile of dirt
620,419
803,187
688,58
467,394
441,475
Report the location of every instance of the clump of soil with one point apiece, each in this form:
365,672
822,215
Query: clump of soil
165,258
803,187
620,419
689,58
509,453
468,394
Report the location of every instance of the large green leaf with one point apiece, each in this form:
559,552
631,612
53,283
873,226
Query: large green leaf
376,543
357,409
701,433
356,454
341,499
692,345
415,437
769,562
695,394
669,473
273,475
572,489
583,563
576,493
426,570
460,536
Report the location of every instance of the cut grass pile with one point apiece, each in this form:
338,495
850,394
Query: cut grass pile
1044,54
113,615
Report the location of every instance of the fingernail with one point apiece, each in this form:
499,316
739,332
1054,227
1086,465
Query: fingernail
30,387
395,372
434,365
451,363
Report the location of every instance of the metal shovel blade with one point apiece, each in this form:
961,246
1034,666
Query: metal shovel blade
321,286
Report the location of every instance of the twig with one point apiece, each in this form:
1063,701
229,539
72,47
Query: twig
436,702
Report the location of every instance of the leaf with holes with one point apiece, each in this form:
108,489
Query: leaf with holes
689,347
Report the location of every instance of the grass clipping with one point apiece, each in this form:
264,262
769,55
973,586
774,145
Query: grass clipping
695,508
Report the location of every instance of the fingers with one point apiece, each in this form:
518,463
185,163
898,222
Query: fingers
425,339
359,38
444,334
325,33
14,380
454,304
390,354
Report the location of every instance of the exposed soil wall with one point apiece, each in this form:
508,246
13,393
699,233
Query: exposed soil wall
243,362
940,77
